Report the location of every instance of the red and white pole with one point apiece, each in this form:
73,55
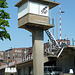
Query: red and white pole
65,39
60,24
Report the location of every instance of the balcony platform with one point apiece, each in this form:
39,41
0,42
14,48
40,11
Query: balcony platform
32,21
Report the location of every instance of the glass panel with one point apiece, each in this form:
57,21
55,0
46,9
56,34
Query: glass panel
33,8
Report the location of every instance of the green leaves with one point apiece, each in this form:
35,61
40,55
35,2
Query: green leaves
4,34
3,4
3,22
4,15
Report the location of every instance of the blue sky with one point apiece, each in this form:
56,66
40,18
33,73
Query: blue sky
21,38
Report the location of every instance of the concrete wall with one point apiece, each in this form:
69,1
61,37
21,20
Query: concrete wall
2,72
25,70
66,62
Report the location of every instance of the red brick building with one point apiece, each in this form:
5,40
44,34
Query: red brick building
14,54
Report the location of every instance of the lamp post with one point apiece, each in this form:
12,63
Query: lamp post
26,39
24,58
51,21
60,22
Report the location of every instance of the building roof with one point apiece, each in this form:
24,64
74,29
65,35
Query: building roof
50,3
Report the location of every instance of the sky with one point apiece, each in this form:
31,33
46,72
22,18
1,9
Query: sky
21,37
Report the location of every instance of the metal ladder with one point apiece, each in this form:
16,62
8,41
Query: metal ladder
55,46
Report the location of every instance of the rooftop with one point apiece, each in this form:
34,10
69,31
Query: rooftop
51,4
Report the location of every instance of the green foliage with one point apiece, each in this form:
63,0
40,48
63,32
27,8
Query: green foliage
3,4
3,22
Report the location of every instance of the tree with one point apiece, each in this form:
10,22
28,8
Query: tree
4,16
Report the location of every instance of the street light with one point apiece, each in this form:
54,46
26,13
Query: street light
51,21
62,12
26,52
25,40
57,23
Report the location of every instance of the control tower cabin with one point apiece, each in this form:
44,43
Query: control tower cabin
33,15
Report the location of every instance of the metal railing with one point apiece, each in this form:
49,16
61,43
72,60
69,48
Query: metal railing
54,46
72,41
